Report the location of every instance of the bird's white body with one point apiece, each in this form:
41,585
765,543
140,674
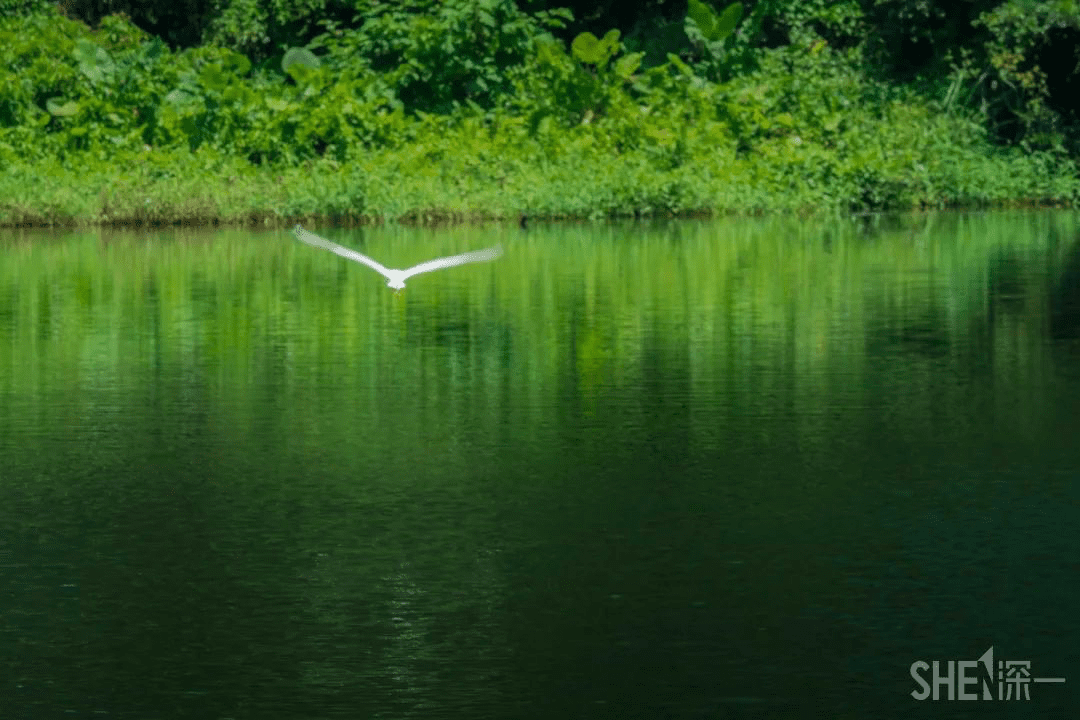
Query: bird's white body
396,278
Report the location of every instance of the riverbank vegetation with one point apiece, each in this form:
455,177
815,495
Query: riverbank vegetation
236,112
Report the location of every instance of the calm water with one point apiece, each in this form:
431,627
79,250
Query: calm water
717,470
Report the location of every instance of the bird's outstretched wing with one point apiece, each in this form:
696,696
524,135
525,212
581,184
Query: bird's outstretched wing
474,256
313,239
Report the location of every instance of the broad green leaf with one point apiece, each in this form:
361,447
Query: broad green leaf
703,16
728,20
214,77
237,63
783,120
627,65
61,109
302,74
154,49
94,62
586,48
610,43
549,51
179,97
237,93
84,52
277,104
299,56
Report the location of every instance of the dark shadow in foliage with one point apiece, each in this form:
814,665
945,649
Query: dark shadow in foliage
256,28
599,16
914,36
178,22
1059,57
1017,60
261,29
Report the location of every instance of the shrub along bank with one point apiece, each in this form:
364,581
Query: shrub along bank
462,115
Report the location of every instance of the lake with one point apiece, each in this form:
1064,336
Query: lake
752,468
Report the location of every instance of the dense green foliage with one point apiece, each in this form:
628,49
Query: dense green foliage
468,109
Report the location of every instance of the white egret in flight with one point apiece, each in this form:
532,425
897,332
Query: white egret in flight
396,278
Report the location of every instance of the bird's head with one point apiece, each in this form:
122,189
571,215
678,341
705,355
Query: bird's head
396,283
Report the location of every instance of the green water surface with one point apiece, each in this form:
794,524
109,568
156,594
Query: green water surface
735,469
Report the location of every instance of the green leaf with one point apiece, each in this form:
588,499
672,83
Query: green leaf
784,120
61,110
682,67
154,49
627,65
712,26
728,20
237,93
610,43
237,63
703,16
179,97
214,77
555,18
299,56
277,104
94,62
586,48
549,51
302,74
